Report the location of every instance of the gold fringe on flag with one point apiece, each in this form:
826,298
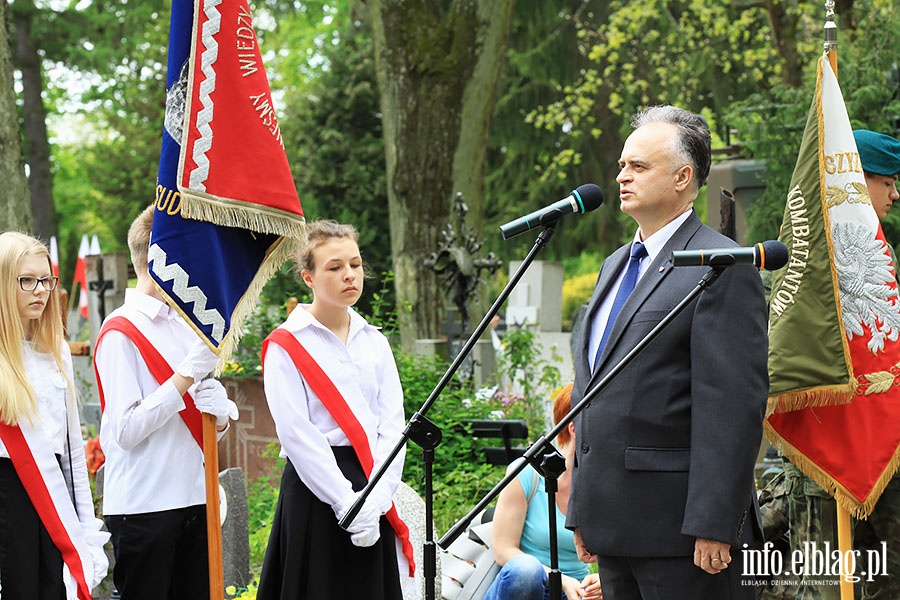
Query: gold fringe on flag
860,509
241,215
818,396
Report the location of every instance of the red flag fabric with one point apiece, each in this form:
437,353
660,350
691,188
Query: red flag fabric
233,170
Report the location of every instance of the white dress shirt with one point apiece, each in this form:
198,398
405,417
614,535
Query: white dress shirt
58,414
365,373
153,462
654,245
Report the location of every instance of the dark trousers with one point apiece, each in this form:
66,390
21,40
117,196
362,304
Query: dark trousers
675,578
30,563
161,555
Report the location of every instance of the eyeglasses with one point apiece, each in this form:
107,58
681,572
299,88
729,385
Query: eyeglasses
29,284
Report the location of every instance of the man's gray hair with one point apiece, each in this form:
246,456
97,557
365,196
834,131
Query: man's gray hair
693,144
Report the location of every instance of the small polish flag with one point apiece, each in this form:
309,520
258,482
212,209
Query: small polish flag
54,256
81,276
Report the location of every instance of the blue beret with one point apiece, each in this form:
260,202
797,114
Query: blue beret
879,153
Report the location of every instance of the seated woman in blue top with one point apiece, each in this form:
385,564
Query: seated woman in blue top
521,540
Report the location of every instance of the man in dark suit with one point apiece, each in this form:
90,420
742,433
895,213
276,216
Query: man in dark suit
663,490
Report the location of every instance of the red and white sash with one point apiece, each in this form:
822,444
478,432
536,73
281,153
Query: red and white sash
159,368
37,468
331,397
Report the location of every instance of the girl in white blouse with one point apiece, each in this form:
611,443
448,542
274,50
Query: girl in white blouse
334,393
51,545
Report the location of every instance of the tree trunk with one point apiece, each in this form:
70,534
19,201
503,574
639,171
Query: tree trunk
784,32
40,178
15,209
438,70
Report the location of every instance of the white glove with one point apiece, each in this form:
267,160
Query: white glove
95,538
381,497
199,362
365,529
210,398
365,534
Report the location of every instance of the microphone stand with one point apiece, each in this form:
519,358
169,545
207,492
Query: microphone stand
552,466
427,435
538,446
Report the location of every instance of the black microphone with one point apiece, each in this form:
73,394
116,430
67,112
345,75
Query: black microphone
770,255
583,199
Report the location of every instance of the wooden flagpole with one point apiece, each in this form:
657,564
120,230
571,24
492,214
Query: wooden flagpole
844,534
213,518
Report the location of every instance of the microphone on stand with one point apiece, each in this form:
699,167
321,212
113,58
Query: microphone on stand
584,198
770,255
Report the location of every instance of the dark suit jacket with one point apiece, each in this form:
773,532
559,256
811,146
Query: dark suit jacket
666,450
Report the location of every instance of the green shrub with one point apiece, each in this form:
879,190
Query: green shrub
525,387
576,291
526,383
458,475
262,498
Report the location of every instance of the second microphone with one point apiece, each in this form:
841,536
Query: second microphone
770,255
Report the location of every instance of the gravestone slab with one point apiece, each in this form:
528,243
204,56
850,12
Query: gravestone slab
235,529
411,508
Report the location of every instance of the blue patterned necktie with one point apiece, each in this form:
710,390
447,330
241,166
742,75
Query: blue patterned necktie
638,251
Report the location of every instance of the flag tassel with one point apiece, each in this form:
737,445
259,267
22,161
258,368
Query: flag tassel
241,215
813,397
859,509
279,253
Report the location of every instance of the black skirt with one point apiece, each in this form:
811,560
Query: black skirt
30,563
310,557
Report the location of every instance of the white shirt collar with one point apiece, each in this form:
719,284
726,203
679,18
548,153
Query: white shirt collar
655,243
300,318
149,305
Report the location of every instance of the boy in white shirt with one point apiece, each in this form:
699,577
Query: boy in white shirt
149,366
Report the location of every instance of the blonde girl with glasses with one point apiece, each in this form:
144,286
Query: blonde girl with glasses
51,546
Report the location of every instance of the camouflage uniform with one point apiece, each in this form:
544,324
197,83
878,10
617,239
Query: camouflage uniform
882,525
812,513
773,508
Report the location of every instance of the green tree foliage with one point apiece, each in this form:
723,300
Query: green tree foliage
576,70
745,66
770,122
332,131
107,118
700,54
545,62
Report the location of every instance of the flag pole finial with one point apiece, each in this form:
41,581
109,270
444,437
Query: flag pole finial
831,42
